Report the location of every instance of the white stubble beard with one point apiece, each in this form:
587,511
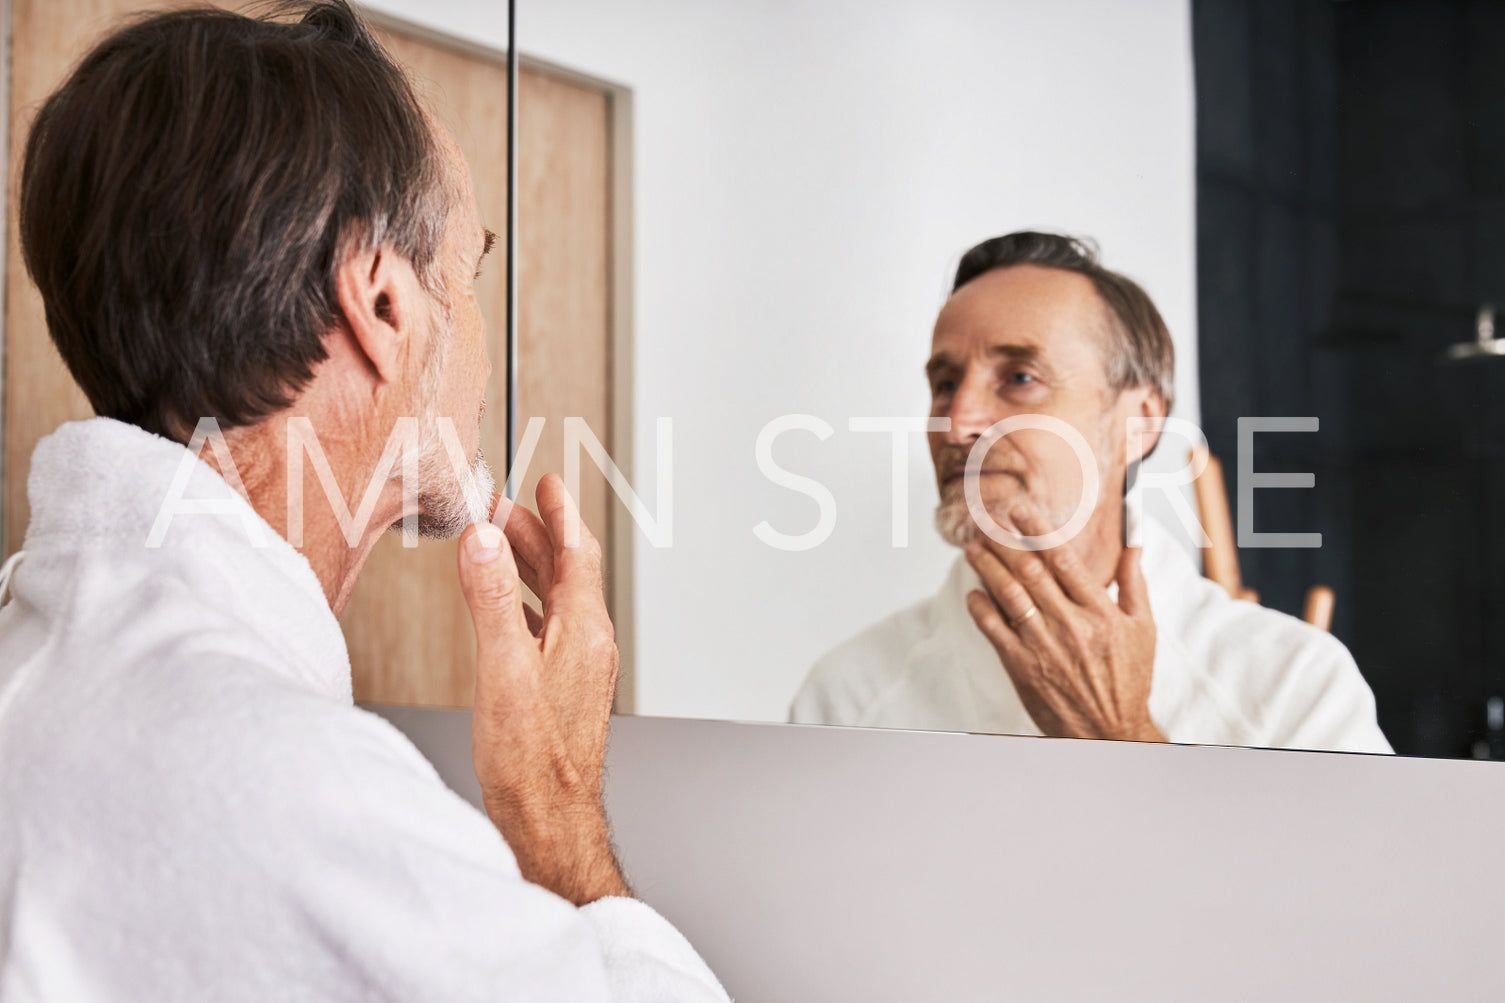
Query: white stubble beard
447,501
453,502
953,520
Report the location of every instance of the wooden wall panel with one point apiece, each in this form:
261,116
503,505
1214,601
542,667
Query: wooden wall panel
564,310
407,627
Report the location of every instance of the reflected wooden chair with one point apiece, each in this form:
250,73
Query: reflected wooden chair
1220,561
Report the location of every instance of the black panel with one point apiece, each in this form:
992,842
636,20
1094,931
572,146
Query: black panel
1351,218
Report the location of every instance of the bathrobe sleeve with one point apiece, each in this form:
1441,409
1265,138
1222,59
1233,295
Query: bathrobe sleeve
357,875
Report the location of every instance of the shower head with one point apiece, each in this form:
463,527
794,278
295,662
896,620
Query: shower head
1484,346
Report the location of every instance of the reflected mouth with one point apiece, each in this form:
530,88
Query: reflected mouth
956,476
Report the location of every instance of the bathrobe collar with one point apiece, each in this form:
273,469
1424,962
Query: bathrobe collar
97,487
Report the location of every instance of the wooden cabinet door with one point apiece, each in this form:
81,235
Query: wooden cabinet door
407,627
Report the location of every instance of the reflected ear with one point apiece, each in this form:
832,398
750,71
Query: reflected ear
377,292
1145,403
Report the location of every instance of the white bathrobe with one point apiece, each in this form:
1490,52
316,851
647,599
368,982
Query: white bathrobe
191,808
1227,672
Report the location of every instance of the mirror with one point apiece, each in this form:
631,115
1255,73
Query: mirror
741,231
1304,189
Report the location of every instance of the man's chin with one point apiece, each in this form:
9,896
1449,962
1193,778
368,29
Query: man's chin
444,515
954,522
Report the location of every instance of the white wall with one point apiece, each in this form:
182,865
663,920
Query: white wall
806,175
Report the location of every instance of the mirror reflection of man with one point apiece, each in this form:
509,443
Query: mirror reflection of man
1087,639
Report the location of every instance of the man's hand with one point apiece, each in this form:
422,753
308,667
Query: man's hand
544,686
1081,664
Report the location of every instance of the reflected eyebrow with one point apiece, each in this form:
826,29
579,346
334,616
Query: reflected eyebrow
939,364
1024,353
942,362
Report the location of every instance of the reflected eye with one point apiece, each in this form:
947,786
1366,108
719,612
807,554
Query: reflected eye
943,387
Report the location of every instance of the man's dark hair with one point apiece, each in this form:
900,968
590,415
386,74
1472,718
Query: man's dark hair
1139,350
189,192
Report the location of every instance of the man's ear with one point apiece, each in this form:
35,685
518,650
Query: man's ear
1144,402
377,294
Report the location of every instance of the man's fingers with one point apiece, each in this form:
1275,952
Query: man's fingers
577,554
560,514
532,547
1017,602
1133,591
1066,566
1026,568
994,626
488,578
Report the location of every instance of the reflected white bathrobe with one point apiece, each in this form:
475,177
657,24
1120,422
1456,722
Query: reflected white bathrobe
192,809
1227,672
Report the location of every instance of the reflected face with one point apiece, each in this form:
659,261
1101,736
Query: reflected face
457,368
1014,341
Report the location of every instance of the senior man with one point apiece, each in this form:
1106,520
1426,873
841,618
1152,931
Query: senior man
1042,630
255,222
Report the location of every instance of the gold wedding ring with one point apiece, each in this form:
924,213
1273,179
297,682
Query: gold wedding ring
1028,613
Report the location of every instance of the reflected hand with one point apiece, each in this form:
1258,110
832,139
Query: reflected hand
544,687
1082,665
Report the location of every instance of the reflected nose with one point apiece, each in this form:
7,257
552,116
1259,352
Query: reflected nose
971,411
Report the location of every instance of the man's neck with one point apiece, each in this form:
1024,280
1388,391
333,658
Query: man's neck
1101,544
260,454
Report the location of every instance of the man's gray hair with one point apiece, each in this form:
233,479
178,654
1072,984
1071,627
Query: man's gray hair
1139,350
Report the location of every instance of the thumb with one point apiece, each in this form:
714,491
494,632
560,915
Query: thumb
488,577
1133,591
